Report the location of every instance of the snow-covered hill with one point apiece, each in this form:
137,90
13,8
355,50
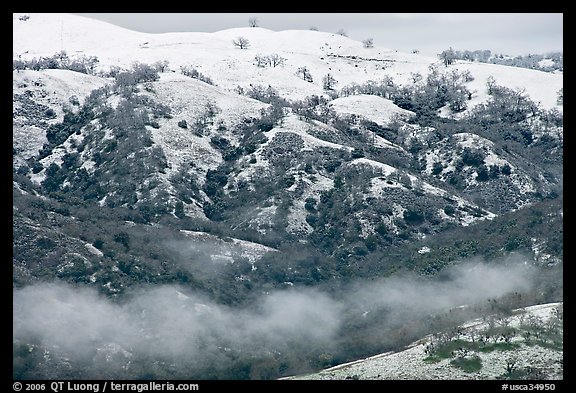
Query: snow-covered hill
215,55
543,360
271,64
39,99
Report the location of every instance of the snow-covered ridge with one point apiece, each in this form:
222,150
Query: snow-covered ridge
215,55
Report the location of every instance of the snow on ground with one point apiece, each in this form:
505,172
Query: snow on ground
546,63
386,170
387,179
52,88
409,364
214,55
226,250
58,85
374,108
493,159
56,157
27,140
383,143
521,180
524,184
378,186
188,97
541,86
472,141
263,218
189,147
189,100
447,156
293,124
93,249
313,187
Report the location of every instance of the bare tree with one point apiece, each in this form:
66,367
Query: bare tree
313,28
511,365
162,66
253,21
261,61
241,42
328,82
368,43
342,32
304,73
416,77
276,60
490,84
272,60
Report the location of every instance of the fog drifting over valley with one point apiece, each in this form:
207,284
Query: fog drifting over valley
171,322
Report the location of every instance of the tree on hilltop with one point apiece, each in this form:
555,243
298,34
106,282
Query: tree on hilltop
241,42
368,43
448,56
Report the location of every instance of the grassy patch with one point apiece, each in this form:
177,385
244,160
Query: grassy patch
432,359
445,351
469,365
498,347
557,346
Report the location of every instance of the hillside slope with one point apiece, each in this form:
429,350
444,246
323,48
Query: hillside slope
511,352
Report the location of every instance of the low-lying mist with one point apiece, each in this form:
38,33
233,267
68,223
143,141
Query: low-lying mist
172,324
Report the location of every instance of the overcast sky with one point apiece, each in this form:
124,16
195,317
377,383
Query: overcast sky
506,33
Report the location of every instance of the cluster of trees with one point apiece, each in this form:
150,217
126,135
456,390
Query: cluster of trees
543,62
139,72
425,96
274,60
329,82
314,108
506,104
464,346
194,73
437,90
83,64
140,259
447,56
127,81
266,94
385,88
137,253
502,119
120,157
304,73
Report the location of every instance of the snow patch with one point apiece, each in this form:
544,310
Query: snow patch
371,107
